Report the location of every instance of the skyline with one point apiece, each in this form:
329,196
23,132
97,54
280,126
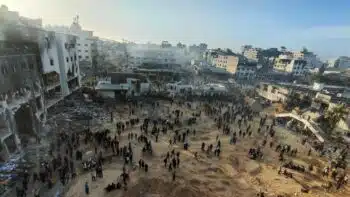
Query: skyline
317,25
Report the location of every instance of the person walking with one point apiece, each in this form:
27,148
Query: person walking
87,188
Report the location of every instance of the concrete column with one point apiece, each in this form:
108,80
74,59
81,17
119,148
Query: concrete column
61,62
5,151
13,128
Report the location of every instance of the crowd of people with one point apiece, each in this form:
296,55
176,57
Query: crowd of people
233,119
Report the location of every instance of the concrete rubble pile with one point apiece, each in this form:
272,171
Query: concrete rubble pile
76,113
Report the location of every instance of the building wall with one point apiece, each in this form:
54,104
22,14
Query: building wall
298,54
66,47
252,54
281,63
272,93
342,62
228,62
84,48
16,73
155,54
59,54
285,63
297,67
84,39
246,72
51,55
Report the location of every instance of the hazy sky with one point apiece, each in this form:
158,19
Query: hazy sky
322,26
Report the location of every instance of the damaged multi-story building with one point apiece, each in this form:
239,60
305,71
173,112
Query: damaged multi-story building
38,68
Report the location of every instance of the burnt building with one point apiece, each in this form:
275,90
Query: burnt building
21,94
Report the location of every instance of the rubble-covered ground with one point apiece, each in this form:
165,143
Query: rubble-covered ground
233,174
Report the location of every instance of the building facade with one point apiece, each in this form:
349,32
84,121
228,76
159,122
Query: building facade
273,93
252,54
38,69
227,62
246,71
84,39
60,65
343,62
288,64
139,54
20,94
122,85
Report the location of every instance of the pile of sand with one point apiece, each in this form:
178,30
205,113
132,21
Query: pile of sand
159,187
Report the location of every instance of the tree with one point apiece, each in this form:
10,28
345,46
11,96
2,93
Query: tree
271,52
305,50
322,69
229,51
283,48
305,102
203,46
335,115
180,45
165,44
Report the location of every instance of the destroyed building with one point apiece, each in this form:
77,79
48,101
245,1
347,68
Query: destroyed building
20,94
38,68
115,85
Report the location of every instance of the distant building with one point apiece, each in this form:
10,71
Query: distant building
21,94
244,48
144,53
84,39
38,69
226,61
288,64
252,54
342,62
236,64
246,71
272,92
122,84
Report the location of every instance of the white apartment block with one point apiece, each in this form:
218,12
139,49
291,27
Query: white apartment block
60,64
155,54
85,39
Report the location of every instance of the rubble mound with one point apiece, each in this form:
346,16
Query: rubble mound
159,187
253,167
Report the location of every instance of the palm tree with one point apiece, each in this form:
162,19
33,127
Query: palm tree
335,115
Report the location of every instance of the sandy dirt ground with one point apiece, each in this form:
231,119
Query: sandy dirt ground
233,174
